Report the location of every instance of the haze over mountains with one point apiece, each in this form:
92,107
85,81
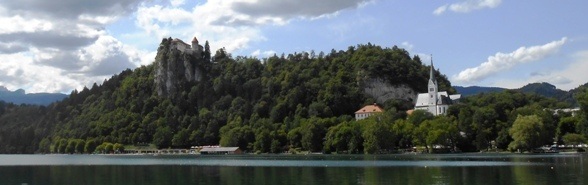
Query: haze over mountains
21,97
543,89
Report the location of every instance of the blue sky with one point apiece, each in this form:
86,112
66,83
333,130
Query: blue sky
64,45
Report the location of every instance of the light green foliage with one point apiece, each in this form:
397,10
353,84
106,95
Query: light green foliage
526,132
376,135
440,131
118,148
573,139
344,138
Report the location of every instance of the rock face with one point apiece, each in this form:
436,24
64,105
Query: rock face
383,91
174,68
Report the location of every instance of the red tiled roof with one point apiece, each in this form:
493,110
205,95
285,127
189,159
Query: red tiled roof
409,112
370,109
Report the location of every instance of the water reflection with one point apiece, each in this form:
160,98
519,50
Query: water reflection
392,169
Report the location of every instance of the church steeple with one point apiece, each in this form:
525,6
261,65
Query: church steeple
431,75
432,85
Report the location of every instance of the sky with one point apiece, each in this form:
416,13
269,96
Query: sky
62,45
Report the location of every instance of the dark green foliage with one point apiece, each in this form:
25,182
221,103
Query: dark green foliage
282,103
484,120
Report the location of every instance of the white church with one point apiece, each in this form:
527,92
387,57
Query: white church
434,101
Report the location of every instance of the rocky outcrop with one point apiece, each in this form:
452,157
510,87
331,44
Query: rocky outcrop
382,91
174,68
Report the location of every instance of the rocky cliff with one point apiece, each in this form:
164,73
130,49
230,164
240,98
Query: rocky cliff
175,68
382,91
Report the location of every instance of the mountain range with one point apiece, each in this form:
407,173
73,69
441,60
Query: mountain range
543,89
20,97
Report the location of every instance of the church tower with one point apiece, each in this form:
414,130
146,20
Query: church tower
432,86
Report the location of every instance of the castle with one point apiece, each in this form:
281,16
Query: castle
434,101
176,64
195,48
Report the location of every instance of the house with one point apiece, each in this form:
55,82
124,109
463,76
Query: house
220,150
434,101
367,111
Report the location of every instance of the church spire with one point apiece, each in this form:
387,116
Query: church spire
433,88
431,76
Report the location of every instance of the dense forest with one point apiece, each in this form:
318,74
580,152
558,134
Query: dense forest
289,103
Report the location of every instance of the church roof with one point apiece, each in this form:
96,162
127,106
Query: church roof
422,100
370,109
442,99
195,40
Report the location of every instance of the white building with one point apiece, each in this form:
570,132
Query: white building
367,111
434,101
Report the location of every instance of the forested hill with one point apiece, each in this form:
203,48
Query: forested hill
255,104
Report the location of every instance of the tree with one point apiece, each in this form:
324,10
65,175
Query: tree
79,147
376,136
526,133
440,131
343,138
90,146
162,137
312,136
418,116
403,131
108,148
118,148
181,139
566,125
573,139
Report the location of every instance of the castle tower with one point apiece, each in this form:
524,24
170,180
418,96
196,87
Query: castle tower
196,48
195,43
433,88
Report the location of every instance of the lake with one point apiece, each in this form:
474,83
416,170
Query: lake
295,169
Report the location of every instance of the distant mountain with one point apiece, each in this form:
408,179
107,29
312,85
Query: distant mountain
548,90
543,89
20,97
473,90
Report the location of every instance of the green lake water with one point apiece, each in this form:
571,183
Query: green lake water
295,169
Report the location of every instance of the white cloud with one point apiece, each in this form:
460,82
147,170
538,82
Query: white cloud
175,3
56,46
504,61
259,54
17,23
467,6
407,46
232,24
295,8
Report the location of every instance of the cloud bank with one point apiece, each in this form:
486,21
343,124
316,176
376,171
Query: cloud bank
467,6
233,24
504,61
58,46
